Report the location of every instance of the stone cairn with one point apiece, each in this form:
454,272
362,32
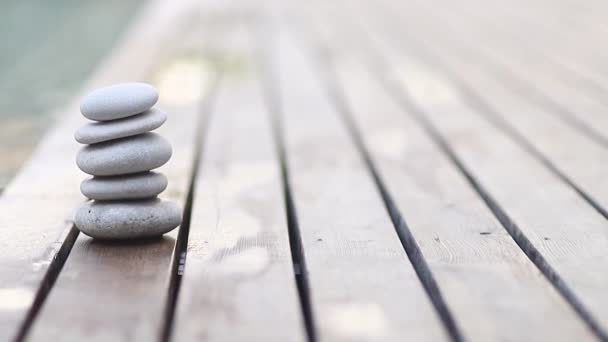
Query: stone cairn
120,153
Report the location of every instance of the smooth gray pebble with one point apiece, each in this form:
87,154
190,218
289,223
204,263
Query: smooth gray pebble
138,153
97,132
110,220
118,101
133,186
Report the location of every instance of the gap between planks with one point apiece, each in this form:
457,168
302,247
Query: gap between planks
317,126
589,121
571,328
271,86
65,292
179,256
531,250
334,91
36,246
238,255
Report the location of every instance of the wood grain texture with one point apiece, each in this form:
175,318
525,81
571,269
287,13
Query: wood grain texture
239,282
424,137
564,229
362,286
522,70
36,209
101,278
473,258
571,153
518,36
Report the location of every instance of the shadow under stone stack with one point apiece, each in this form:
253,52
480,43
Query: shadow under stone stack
120,153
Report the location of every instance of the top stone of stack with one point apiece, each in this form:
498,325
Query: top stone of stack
118,101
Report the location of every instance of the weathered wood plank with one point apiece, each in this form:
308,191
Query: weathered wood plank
568,33
361,284
573,104
129,280
576,44
36,208
473,258
83,275
239,282
569,152
467,250
519,38
562,234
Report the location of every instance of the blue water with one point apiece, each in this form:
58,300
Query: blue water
47,50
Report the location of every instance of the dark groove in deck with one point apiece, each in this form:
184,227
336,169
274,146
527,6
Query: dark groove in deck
488,112
326,73
527,90
178,262
510,226
581,78
518,236
496,119
378,67
335,93
531,93
46,285
295,243
270,88
408,242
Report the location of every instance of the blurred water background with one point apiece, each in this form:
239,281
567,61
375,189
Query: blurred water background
48,50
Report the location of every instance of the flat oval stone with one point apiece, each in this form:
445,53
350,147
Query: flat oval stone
133,186
134,154
97,132
127,219
118,101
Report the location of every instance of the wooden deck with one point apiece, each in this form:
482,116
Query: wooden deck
349,171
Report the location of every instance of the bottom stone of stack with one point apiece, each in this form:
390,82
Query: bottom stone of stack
127,219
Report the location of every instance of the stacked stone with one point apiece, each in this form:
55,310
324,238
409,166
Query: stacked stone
120,153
